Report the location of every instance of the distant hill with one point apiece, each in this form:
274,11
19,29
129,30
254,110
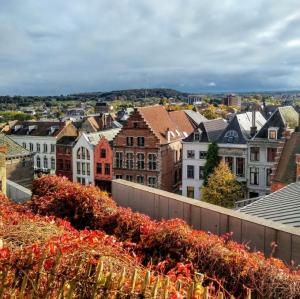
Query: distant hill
133,94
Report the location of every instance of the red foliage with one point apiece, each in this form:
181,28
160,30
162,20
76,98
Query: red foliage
167,244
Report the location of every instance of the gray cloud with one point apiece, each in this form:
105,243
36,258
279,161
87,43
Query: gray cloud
54,47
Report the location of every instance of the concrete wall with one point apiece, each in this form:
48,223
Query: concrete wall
16,192
256,232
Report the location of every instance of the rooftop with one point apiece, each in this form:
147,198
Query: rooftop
13,148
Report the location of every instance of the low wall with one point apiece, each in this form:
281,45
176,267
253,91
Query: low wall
16,192
256,232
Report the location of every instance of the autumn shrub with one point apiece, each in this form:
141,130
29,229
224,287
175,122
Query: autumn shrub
165,244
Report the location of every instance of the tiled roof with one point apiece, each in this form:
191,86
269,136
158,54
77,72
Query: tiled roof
160,122
183,121
13,148
286,168
37,128
282,117
109,135
282,206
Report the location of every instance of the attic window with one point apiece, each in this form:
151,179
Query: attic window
231,136
135,124
272,133
196,136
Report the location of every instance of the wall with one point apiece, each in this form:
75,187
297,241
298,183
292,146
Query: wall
16,192
256,232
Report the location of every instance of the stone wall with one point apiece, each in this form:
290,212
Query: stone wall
256,232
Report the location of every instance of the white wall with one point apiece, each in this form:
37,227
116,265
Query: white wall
89,178
49,140
196,162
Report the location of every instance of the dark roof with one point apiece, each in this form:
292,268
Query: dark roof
37,128
241,125
286,168
13,148
209,130
282,117
282,206
66,140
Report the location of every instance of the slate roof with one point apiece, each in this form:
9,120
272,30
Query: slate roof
67,140
196,117
282,117
286,168
282,206
241,124
37,128
160,122
209,130
13,148
109,135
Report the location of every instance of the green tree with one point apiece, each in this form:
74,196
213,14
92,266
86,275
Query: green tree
222,188
212,160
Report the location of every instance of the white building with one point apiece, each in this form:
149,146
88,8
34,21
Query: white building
40,139
194,149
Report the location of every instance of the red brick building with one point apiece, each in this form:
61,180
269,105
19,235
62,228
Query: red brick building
64,156
148,148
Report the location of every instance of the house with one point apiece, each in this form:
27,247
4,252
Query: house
232,100
103,107
96,123
92,158
40,138
64,156
287,170
123,114
265,146
147,150
282,206
194,150
19,162
232,143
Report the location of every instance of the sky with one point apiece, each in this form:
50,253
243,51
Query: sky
53,47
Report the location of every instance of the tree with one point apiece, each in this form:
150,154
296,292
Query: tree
212,160
210,112
222,188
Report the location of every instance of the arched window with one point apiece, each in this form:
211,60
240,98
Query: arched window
83,153
45,162
38,162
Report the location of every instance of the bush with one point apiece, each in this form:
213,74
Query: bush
164,244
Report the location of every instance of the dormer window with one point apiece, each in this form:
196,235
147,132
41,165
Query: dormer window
231,136
272,133
196,136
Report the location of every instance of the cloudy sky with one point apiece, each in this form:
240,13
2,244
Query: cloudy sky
50,47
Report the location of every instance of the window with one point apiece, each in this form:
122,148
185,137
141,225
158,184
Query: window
119,160
202,155
67,165
152,161
83,181
201,172
268,176
107,169
140,179
78,167
103,153
52,148
52,163
87,155
83,168
129,178
119,176
38,147
88,169
23,162
229,162
129,160
190,191
254,154
196,136
141,141
190,171
24,144
272,133
99,168
140,161
240,167
83,154
38,162
190,154
45,162
271,153
254,175
60,164
135,124
31,147
152,181
45,148
129,141
231,136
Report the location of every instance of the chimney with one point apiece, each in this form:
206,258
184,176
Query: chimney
168,135
253,128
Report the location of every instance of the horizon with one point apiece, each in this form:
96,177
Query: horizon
54,47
